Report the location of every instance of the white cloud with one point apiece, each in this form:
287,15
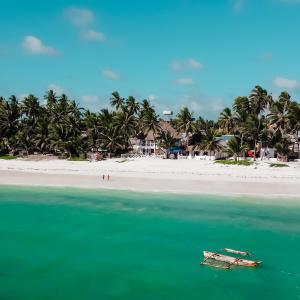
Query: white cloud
152,97
184,81
110,74
80,17
286,83
92,35
90,99
185,65
56,89
194,64
35,46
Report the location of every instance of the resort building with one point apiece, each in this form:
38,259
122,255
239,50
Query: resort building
149,144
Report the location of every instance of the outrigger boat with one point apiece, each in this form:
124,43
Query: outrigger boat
226,261
244,253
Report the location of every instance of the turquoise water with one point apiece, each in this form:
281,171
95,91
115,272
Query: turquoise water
77,244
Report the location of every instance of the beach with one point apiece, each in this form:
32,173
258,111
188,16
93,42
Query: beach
157,175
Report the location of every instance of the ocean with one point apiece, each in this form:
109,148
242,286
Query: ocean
74,244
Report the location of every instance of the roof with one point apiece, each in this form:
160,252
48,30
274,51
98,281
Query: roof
165,126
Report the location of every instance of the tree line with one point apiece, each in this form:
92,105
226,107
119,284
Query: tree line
61,127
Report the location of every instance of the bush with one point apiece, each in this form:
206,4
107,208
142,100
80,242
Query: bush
77,159
276,165
8,157
236,163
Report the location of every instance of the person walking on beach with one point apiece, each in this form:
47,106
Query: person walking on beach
103,177
108,177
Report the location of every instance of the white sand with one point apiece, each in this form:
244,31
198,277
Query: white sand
146,174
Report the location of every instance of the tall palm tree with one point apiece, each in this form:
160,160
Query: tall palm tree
31,107
125,125
9,122
149,122
184,121
41,137
294,118
285,99
242,105
65,137
279,117
116,100
132,105
260,100
254,130
51,99
227,121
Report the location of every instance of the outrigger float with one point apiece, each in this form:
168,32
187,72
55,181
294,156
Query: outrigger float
226,262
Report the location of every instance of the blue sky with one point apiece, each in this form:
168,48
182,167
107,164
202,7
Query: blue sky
175,52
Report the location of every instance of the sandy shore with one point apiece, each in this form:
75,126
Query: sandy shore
157,175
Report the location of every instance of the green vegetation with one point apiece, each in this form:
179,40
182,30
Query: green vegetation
276,165
77,159
62,128
8,157
234,162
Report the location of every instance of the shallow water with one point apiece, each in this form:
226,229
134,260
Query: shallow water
80,244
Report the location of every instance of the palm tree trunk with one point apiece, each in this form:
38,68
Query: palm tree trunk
298,141
242,143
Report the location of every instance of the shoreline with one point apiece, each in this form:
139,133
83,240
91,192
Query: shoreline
183,177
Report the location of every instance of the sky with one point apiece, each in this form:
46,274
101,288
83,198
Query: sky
200,54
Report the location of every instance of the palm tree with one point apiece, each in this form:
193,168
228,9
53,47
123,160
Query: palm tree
132,105
294,118
259,100
227,121
184,121
116,100
31,107
254,130
285,99
149,122
166,140
41,137
51,99
125,125
242,105
279,117
65,138
9,122
283,148
211,142
235,148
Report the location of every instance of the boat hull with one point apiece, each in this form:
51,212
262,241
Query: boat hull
231,260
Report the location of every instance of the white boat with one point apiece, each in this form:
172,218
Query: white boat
244,253
230,260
